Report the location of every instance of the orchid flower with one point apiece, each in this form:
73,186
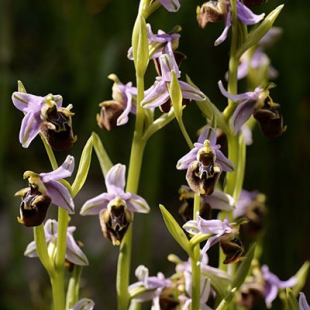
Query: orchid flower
208,134
158,94
74,253
44,189
115,206
244,14
44,114
214,11
273,284
222,230
115,112
252,102
153,286
160,43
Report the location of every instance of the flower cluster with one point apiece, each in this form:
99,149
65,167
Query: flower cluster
216,211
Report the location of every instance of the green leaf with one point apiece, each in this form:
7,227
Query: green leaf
175,230
104,160
243,268
255,35
84,164
292,302
140,46
301,276
176,96
227,300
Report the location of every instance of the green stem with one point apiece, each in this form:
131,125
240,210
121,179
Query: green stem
194,263
57,282
135,163
73,287
185,134
49,152
57,279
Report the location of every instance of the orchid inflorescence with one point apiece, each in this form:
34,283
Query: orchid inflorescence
217,211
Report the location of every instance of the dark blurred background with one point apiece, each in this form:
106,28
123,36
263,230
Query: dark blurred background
69,47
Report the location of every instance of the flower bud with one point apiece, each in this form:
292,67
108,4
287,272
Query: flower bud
210,12
110,111
115,220
33,207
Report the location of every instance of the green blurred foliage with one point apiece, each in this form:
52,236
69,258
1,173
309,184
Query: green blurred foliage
69,47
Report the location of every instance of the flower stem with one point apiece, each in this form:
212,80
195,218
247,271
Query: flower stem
135,163
194,263
57,278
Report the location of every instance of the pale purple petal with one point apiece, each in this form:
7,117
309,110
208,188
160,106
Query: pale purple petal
242,113
205,288
62,172
31,250
273,283
292,281
236,98
219,201
74,254
191,227
123,118
60,195
170,5
303,304
137,204
246,15
95,205
243,68
30,128
84,304
185,161
225,163
27,102
223,36
51,229
208,133
247,132
213,226
116,178
157,96
211,241
271,293
190,92
167,64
